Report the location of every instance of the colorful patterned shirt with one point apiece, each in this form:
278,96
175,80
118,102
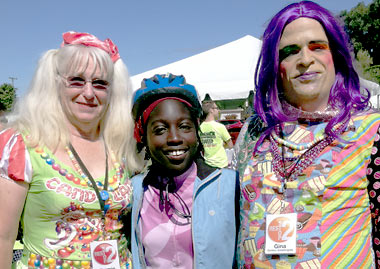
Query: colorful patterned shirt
62,214
329,196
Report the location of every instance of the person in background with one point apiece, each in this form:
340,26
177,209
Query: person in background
66,159
184,211
214,136
305,202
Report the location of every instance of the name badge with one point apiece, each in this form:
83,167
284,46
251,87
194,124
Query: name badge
281,234
105,254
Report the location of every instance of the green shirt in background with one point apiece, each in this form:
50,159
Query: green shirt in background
213,136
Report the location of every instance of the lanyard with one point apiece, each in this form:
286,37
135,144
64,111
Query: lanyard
103,195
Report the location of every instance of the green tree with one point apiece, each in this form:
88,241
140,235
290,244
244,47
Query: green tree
362,23
7,95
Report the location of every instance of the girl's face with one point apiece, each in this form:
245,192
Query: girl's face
171,136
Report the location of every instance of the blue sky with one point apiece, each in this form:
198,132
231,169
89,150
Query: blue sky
149,33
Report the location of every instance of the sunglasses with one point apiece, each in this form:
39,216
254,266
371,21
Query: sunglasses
79,82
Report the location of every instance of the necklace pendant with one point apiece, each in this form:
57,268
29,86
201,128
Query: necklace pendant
104,195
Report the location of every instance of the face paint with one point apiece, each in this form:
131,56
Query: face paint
306,65
295,49
287,51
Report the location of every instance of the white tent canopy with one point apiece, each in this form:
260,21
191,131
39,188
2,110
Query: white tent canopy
374,89
225,72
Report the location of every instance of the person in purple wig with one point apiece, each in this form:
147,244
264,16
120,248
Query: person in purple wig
306,158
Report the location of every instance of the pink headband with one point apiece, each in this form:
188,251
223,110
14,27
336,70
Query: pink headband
139,124
92,41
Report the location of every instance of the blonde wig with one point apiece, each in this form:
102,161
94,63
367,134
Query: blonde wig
40,115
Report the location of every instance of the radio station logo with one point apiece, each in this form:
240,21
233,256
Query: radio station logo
281,229
105,254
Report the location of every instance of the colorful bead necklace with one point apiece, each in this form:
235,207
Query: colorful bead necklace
114,181
291,172
294,146
82,181
55,166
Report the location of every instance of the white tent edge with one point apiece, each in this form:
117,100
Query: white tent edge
225,72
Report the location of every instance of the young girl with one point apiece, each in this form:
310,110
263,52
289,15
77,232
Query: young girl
184,211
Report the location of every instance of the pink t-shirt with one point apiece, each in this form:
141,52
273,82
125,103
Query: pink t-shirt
166,237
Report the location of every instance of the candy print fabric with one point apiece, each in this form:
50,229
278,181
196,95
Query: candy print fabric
61,214
329,196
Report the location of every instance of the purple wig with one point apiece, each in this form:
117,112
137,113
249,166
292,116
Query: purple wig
345,93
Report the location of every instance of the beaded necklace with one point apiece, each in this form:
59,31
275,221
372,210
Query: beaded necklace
113,182
294,146
291,172
83,180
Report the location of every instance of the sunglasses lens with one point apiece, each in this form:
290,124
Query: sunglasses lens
100,84
76,82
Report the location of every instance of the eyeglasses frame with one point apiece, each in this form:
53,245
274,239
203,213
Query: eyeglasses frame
66,79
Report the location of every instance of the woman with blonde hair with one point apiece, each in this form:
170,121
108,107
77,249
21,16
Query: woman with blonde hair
66,160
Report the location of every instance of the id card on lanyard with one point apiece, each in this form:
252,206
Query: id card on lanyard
104,253
281,234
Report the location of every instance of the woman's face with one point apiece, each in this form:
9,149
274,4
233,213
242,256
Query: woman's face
171,136
85,105
306,64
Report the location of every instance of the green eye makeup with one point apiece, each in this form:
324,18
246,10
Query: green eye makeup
288,50
294,49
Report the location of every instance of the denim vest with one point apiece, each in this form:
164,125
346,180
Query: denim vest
213,220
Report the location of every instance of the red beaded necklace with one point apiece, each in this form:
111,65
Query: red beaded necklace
289,172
